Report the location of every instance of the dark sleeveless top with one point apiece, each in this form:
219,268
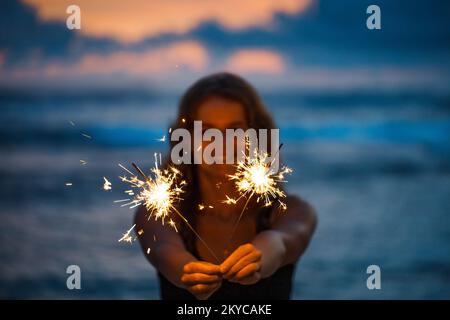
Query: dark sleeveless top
276,287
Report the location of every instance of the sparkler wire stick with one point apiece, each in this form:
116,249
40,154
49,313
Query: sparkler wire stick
196,233
237,222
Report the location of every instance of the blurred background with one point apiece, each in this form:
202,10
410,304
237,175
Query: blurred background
364,117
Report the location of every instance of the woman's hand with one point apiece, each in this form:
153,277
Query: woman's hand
243,265
201,278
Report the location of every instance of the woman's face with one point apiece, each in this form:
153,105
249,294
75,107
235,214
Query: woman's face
222,114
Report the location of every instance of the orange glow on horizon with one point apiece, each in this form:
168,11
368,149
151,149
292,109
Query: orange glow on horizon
256,61
187,54
134,20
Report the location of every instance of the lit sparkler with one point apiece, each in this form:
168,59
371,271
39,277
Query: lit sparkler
255,176
159,193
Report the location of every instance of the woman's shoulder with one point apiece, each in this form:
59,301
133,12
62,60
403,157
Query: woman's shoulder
294,199
294,206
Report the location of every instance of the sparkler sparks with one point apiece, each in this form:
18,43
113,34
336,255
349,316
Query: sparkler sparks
159,193
162,139
121,200
229,200
83,162
173,225
255,176
86,136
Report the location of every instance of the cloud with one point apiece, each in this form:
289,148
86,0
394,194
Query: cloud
131,21
254,61
186,55
297,50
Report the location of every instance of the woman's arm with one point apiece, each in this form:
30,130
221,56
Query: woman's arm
170,257
288,238
167,251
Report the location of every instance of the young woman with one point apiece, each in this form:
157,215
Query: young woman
259,261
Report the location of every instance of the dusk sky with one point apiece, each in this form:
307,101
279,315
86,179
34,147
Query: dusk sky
363,116
287,44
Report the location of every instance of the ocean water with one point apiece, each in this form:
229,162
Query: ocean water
375,165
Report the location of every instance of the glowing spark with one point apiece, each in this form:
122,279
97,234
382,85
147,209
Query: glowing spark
170,130
83,162
173,225
282,205
68,184
211,207
229,200
86,135
163,139
122,200
126,237
199,148
148,250
201,206
183,120
106,184
255,176
140,232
